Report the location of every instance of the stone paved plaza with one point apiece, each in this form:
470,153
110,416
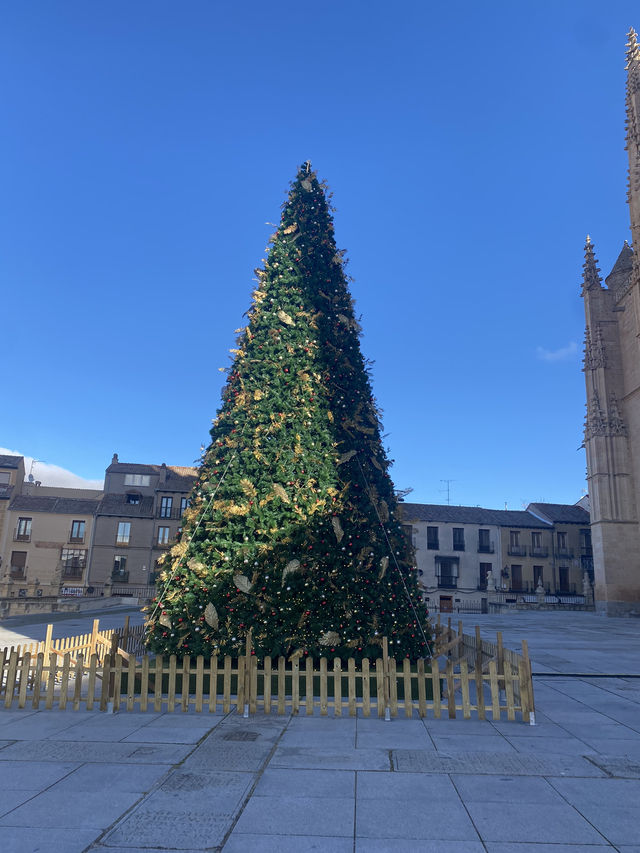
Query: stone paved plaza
75,781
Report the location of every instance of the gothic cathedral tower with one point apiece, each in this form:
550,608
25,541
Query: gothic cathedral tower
612,377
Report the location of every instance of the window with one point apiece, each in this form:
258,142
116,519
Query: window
5,478
562,540
124,533
23,530
485,568
75,557
163,536
484,542
585,540
536,539
77,531
514,538
18,564
432,539
538,574
458,538
447,572
166,505
120,568
133,498
137,479
184,503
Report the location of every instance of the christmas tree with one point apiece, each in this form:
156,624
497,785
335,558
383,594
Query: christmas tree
292,529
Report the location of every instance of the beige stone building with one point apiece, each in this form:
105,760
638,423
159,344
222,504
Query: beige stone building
463,553
46,544
11,480
612,378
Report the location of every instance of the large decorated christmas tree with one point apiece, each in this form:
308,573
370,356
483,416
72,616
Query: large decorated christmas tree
292,529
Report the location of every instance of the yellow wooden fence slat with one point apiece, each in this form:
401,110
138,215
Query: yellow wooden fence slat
11,679
495,690
366,689
266,684
422,690
380,691
186,683
295,686
24,679
508,689
281,685
308,686
393,687
213,684
131,683
51,682
324,701
226,688
464,686
337,687
91,684
78,673
158,679
117,682
37,681
408,688
144,683
451,691
199,683
351,686
171,689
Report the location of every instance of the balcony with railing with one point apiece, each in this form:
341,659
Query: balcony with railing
517,551
119,576
486,548
17,573
70,572
447,582
539,551
168,512
75,540
564,554
21,535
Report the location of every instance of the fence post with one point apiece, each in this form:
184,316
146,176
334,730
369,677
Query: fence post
385,678
48,642
529,685
113,652
125,634
247,674
94,638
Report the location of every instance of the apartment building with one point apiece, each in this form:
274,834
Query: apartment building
463,553
137,520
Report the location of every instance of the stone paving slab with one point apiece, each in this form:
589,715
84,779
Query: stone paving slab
617,766
515,764
514,847
382,845
558,823
414,820
9,800
130,753
135,778
399,787
21,775
22,839
242,843
506,789
310,783
355,759
285,815
54,808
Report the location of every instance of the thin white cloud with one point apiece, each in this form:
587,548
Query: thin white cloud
562,354
53,475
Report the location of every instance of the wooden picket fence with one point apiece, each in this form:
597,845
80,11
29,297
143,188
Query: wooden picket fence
126,641
465,675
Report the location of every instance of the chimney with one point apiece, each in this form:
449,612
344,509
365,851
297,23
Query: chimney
163,472
114,460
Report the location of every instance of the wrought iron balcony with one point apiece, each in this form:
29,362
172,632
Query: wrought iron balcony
542,553
447,583
17,573
486,548
517,551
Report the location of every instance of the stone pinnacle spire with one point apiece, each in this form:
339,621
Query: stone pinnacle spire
591,275
633,48
633,130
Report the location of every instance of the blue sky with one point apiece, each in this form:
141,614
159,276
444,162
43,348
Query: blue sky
470,148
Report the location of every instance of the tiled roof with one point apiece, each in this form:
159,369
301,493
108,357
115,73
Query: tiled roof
61,506
112,504
561,513
10,461
179,478
469,515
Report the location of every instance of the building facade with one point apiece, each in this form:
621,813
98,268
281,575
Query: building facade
465,553
137,520
612,379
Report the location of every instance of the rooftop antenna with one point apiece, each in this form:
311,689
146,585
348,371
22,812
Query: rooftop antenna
447,489
31,478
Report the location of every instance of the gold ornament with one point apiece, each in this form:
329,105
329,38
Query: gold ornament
164,620
290,229
337,528
242,582
285,318
330,638
384,565
281,493
347,456
290,568
211,616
